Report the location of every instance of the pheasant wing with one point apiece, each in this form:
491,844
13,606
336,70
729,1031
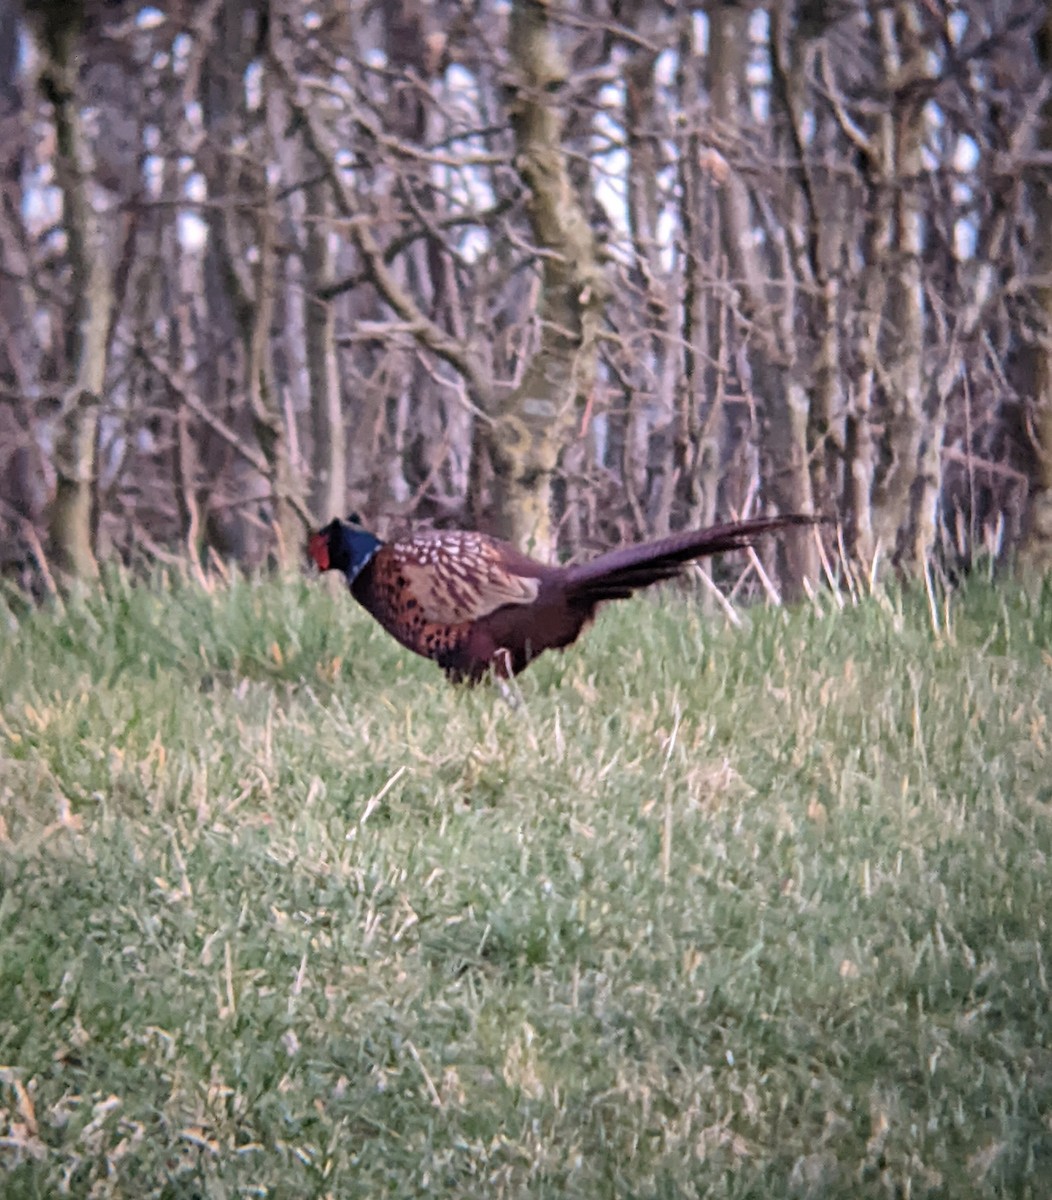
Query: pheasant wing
459,577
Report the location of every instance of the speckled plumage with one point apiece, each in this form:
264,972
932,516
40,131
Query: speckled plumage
474,604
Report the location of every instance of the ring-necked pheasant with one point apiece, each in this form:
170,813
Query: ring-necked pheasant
474,604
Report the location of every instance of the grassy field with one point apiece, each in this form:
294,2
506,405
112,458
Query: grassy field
720,913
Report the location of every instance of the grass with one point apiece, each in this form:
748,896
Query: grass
721,913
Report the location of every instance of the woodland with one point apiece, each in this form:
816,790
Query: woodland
570,273
727,906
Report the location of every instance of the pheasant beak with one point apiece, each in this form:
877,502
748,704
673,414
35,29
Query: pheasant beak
318,549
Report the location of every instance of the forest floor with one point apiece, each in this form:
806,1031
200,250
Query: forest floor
718,912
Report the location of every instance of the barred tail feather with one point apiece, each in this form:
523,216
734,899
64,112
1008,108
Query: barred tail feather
616,575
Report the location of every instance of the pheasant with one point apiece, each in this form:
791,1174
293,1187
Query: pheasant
474,604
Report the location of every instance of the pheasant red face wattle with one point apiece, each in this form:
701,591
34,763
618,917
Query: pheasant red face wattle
318,549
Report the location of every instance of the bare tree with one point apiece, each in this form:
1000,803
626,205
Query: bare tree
899,149
71,516
22,494
533,420
781,394
1037,546
329,450
244,237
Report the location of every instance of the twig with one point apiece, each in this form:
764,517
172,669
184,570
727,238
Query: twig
721,599
768,584
436,1099
430,334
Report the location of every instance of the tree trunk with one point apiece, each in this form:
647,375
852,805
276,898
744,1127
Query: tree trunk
1036,550
860,462
267,418
534,419
21,469
699,442
244,239
71,517
902,339
816,245
651,481
328,448
783,400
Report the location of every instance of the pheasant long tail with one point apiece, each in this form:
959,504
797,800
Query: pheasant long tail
617,575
